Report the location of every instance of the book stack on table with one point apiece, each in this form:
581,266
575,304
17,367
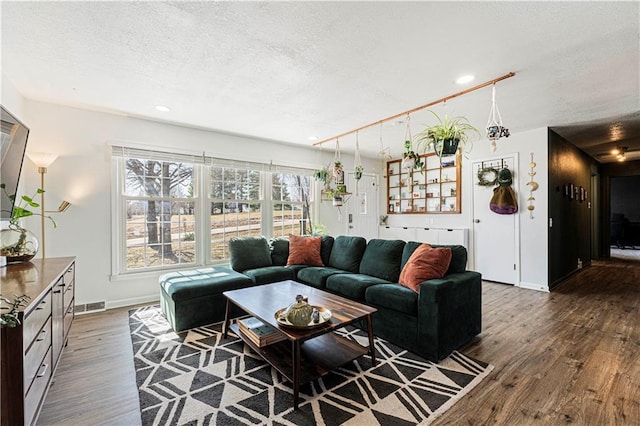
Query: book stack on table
258,332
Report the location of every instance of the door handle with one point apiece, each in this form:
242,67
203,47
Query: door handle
477,220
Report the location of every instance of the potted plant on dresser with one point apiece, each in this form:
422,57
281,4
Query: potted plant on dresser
447,135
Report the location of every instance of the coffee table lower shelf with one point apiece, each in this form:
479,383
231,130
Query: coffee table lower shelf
318,356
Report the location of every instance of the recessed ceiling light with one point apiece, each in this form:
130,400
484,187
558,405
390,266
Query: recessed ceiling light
615,151
313,138
465,79
163,108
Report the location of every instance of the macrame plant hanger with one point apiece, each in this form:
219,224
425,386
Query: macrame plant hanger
495,129
357,169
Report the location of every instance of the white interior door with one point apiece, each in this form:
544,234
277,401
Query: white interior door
495,236
362,207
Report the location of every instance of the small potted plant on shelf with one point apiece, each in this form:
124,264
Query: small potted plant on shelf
447,135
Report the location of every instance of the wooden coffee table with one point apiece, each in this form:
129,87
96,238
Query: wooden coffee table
305,354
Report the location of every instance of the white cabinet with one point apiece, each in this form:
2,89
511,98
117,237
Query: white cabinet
446,236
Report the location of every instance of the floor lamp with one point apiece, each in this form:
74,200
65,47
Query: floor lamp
42,160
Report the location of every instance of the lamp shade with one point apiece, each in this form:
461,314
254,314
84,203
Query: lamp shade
42,159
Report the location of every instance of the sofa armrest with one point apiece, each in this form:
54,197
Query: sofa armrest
449,312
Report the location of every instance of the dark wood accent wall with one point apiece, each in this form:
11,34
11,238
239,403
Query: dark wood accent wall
609,170
570,231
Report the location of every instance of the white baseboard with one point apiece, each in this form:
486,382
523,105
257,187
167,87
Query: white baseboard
132,301
534,286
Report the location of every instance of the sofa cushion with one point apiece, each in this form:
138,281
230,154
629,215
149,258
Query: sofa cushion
193,283
316,276
426,263
304,251
382,258
279,248
270,274
325,248
352,286
394,297
458,256
249,253
347,252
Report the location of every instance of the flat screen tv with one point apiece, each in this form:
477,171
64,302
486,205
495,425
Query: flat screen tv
13,143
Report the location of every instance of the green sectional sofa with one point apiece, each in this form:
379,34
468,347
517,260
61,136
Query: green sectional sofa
443,316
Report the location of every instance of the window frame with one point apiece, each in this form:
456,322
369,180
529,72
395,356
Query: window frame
202,201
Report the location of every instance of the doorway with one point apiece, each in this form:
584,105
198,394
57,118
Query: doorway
496,245
362,207
625,218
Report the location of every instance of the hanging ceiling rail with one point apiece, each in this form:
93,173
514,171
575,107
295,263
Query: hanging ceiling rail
411,111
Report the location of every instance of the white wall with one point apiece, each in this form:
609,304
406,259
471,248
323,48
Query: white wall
533,232
10,98
82,175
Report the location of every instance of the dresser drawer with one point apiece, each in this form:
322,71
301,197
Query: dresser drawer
35,354
69,283
35,394
68,319
34,322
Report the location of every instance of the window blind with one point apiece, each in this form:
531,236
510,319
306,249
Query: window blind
132,152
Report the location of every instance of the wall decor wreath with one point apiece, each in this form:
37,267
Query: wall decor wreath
487,176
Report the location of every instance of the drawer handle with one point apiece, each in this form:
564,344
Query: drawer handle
39,308
42,338
43,367
57,292
62,284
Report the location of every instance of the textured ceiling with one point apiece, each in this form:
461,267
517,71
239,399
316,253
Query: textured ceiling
289,70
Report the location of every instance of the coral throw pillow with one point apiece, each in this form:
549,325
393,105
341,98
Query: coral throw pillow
426,263
304,251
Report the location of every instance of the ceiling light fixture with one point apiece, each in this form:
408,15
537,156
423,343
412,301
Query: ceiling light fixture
313,138
621,157
465,79
615,151
163,108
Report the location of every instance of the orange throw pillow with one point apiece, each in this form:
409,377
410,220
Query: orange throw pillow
426,263
304,251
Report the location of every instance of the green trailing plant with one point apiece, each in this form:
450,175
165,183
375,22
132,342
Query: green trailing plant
321,175
20,248
410,155
21,208
447,130
10,319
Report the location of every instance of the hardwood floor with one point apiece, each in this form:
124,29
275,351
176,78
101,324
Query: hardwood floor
570,356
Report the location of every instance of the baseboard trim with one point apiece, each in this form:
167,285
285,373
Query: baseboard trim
534,286
132,301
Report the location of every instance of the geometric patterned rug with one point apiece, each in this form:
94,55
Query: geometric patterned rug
197,377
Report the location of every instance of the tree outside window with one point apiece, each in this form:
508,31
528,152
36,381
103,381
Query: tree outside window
160,224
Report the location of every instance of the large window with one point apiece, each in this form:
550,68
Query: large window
235,207
291,203
160,213
175,210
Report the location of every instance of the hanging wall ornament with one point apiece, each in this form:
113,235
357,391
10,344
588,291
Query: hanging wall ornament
532,187
495,129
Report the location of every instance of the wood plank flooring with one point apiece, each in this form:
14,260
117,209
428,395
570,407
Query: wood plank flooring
570,356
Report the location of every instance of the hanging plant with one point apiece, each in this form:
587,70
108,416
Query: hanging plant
410,159
357,169
495,129
447,135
